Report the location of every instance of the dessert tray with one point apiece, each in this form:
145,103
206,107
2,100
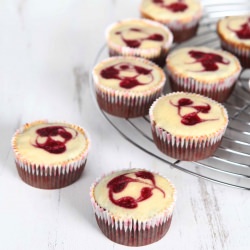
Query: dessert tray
230,165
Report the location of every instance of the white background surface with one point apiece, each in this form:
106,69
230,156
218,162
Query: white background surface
47,49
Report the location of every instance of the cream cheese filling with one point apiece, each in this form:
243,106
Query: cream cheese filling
146,209
165,115
25,145
126,29
148,81
228,25
157,12
180,62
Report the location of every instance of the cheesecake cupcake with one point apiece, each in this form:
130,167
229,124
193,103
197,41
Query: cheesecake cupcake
127,86
133,207
139,37
234,34
182,17
187,126
203,70
50,155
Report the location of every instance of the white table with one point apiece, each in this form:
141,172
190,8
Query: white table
44,47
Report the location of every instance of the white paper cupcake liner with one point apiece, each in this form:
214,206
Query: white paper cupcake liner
39,178
134,238
197,86
127,106
127,99
184,143
243,53
236,50
182,25
130,224
185,149
50,170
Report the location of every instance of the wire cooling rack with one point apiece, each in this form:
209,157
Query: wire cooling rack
230,165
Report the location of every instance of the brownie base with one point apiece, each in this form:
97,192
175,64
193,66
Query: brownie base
134,237
219,96
120,109
55,180
185,34
190,153
160,60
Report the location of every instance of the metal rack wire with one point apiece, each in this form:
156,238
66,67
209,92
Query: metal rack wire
230,165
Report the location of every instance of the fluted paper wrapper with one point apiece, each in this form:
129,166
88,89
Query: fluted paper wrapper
243,53
126,105
191,149
183,25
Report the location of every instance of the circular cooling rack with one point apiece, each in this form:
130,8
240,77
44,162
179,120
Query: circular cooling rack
230,165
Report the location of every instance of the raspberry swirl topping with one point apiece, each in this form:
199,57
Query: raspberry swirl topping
128,82
243,32
191,118
52,145
208,61
136,42
120,182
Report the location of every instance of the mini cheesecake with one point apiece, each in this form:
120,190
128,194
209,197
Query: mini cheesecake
180,16
127,86
133,207
203,70
187,126
234,34
50,155
139,37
